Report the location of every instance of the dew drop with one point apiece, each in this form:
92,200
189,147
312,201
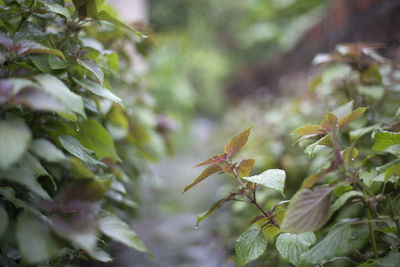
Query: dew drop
196,227
77,129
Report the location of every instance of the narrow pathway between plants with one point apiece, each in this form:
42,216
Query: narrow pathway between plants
167,218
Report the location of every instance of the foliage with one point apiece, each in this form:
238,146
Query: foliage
344,201
71,149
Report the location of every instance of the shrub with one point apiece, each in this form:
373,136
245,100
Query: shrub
70,149
346,209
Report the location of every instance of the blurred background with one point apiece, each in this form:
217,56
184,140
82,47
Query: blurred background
213,68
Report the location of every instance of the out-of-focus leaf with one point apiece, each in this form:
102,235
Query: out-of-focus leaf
245,167
92,66
118,230
29,47
272,178
47,150
219,158
86,8
249,246
26,177
37,99
308,210
3,220
56,8
34,240
291,246
93,136
15,137
329,121
98,90
384,140
57,88
207,172
376,92
104,15
362,131
343,110
315,81
271,230
343,199
346,120
79,170
392,259
74,147
329,247
350,154
237,142
216,205
309,130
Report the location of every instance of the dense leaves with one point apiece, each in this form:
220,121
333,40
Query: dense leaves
69,149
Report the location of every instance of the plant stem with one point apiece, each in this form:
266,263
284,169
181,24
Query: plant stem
394,217
371,230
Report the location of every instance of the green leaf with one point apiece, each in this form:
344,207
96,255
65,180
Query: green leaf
362,131
346,154
93,136
56,8
47,150
245,166
343,110
376,92
346,120
329,247
207,172
74,147
392,259
36,99
26,177
291,246
104,15
272,178
237,142
57,88
92,66
98,90
329,121
3,220
28,47
118,230
219,158
15,137
308,210
311,129
249,246
343,199
216,205
34,240
384,140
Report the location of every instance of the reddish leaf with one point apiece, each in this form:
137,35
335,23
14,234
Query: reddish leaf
351,117
329,121
207,172
36,99
219,158
6,41
308,210
255,219
311,130
237,142
245,167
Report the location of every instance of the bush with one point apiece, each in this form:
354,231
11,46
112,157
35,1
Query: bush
70,150
346,209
